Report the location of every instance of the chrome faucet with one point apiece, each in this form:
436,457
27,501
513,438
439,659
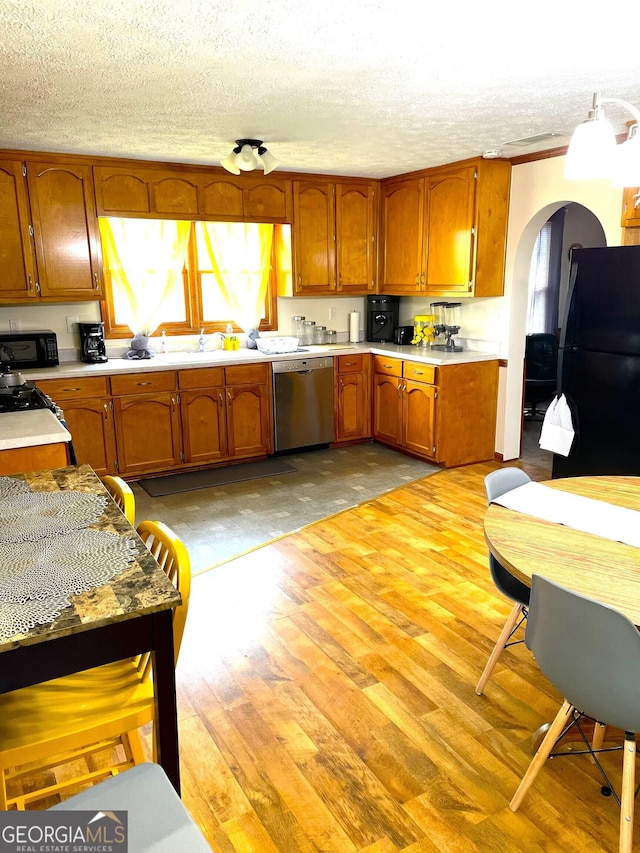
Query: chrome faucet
202,340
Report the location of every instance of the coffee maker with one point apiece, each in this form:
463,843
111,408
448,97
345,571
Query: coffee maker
92,348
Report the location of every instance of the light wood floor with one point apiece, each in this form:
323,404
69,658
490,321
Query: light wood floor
326,694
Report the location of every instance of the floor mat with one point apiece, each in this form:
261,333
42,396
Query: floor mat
174,484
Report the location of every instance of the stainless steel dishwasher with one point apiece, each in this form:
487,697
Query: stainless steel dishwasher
303,402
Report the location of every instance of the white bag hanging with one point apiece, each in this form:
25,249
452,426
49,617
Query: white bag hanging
557,431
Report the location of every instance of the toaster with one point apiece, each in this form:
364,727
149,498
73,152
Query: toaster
403,335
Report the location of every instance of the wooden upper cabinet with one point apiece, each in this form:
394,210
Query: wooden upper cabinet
631,207
126,191
444,234
402,237
65,230
172,194
355,238
17,259
314,237
334,229
450,231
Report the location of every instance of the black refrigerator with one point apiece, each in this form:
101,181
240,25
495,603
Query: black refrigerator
599,362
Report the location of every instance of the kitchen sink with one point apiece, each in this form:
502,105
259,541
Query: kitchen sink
204,357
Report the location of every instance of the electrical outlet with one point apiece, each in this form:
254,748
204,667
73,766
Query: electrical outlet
71,321
15,326
332,313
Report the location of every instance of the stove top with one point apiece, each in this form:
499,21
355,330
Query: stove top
24,397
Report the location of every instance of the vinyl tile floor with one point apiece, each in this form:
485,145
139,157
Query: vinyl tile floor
219,523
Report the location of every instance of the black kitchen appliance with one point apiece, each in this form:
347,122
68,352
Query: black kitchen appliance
92,347
382,317
36,348
24,397
599,362
403,335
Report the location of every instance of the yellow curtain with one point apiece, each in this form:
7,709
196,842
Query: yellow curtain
240,255
145,258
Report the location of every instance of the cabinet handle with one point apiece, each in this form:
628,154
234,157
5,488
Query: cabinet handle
144,383
417,278
422,278
30,283
106,411
221,397
95,278
71,389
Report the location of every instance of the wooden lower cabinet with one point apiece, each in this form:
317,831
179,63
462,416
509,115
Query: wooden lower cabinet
39,457
147,433
226,412
352,398
88,413
443,413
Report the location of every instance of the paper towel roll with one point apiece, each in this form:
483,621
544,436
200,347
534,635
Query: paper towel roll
354,326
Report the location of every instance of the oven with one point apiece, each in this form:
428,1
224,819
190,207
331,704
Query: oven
27,396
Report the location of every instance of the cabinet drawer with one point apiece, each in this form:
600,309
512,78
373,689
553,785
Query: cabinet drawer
201,377
143,383
246,374
79,388
350,363
420,372
386,365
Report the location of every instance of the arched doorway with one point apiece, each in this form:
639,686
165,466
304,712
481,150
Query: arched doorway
570,225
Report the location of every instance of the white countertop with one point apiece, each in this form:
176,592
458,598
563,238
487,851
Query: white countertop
223,358
30,428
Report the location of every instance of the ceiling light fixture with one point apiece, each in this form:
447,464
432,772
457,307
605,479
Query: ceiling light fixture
248,155
593,153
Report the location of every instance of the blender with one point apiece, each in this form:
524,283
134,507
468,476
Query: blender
447,326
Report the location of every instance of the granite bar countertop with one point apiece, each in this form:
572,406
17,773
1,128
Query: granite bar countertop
31,428
142,588
224,358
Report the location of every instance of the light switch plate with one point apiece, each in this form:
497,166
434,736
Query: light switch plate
15,326
70,323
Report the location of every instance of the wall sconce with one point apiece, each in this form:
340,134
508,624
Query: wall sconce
247,156
593,153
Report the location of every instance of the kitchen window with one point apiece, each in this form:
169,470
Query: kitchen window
180,276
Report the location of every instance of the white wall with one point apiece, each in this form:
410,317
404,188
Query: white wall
538,189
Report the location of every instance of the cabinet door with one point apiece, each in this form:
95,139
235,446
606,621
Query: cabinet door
248,421
450,217
631,207
402,237
204,425
355,238
174,195
119,191
419,417
147,433
92,429
352,407
66,231
387,408
267,200
17,259
314,238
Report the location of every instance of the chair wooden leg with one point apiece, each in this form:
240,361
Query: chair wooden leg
542,754
598,737
501,642
628,793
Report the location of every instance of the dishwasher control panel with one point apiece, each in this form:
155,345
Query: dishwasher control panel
298,364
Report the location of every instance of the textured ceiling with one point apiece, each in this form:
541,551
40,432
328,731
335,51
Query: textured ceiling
358,87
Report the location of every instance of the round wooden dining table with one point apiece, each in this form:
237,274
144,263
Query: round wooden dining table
599,568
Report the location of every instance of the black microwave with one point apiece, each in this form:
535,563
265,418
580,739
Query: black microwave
37,348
